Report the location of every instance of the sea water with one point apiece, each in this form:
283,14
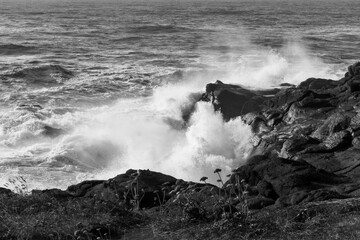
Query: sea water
113,77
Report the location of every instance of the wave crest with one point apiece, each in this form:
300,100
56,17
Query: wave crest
15,49
43,74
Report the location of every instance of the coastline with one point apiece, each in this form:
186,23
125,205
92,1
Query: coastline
303,171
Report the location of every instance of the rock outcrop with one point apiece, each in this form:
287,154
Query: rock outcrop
307,138
233,100
147,187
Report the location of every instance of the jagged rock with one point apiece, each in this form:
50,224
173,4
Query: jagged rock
287,177
356,142
340,162
318,84
334,123
233,100
355,122
353,70
338,140
295,144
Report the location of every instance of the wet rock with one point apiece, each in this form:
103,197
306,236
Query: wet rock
353,70
318,84
52,132
233,100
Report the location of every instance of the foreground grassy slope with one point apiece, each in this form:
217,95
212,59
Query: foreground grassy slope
43,217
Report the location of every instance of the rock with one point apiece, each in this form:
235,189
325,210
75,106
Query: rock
52,132
287,85
295,144
287,177
233,100
5,191
81,189
149,188
356,143
308,196
259,202
266,190
355,122
318,84
53,193
341,162
338,140
143,184
334,123
353,70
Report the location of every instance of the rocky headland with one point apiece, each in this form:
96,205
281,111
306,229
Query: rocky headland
301,181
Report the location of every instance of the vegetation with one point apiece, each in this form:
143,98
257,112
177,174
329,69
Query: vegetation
42,217
194,211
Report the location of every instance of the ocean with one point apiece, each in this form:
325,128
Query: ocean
89,89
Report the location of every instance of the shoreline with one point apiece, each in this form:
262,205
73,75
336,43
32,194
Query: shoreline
303,169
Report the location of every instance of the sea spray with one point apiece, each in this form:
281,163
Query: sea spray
207,143
268,68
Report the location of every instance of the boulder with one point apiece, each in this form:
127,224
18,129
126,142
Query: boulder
143,185
5,191
233,100
285,179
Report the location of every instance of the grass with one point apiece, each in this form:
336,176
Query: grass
338,219
194,212
42,217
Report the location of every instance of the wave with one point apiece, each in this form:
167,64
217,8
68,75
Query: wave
43,74
127,39
156,29
15,49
